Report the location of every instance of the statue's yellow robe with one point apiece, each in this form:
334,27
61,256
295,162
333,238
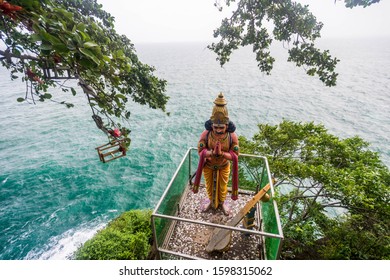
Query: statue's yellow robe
222,179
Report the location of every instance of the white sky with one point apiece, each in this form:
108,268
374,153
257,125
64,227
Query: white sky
194,20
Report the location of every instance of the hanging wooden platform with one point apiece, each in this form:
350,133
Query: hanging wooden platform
112,150
58,72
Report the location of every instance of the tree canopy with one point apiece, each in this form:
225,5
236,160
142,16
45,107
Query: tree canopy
48,40
333,194
292,23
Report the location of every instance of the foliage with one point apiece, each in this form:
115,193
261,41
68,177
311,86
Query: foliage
327,188
250,173
364,3
354,238
128,237
76,35
291,22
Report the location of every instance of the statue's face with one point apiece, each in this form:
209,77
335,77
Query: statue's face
219,129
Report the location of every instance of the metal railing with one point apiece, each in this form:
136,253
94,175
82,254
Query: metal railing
254,171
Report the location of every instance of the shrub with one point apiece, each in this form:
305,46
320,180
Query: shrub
128,237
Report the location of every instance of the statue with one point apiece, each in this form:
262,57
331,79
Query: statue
217,147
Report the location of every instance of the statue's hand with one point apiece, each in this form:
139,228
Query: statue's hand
218,149
215,152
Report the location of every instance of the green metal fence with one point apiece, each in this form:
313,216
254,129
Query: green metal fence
254,174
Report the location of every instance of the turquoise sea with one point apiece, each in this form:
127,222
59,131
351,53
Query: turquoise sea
55,193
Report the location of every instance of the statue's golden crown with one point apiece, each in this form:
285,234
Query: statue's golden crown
220,112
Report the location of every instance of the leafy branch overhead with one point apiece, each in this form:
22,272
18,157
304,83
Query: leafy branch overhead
291,22
76,36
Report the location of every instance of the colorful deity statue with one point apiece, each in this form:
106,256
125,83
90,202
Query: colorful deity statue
218,148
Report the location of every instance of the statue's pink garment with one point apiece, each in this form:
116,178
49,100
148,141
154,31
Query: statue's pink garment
202,157
234,175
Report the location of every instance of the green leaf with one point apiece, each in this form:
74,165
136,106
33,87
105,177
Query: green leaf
16,51
90,55
84,36
81,27
20,99
121,96
36,38
119,54
90,45
46,47
106,58
86,62
62,48
52,39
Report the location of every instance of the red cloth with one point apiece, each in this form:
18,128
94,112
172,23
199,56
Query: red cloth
234,175
116,132
202,157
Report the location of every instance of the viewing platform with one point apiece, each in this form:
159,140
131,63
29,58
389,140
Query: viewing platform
182,231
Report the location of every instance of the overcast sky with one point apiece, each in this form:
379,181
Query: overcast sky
194,20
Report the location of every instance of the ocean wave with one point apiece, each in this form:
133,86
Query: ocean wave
63,246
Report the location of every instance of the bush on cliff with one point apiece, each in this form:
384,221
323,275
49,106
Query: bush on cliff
127,237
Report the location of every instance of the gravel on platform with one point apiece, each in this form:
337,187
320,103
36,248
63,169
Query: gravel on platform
192,239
